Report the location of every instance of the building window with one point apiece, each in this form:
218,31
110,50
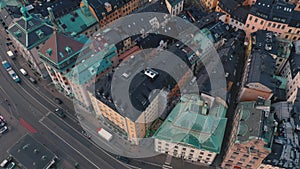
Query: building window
251,162
269,24
283,27
250,18
261,22
278,26
255,20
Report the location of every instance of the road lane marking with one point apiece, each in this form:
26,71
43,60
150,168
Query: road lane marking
69,145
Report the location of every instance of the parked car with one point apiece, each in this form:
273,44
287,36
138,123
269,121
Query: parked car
57,100
60,113
3,129
4,163
2,123
11,165
32,80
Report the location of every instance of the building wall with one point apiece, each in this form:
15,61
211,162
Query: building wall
30,56
268,166
117,13
134,130
255,23
59,78
184,151
231,21
209,5
249,94
245,155
174,10
292,88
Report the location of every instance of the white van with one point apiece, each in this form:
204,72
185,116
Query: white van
23,71
3,163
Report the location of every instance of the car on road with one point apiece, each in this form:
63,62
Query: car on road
3,129
11,165
23,71
60,113
32,80
57,100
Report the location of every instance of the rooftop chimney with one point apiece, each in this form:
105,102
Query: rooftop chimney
107,6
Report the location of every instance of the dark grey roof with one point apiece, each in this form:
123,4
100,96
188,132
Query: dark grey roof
59,7
294,64
99,8
268,41
285,149
26,31
228,5
262,8
139,88
240,13
230,53
154,7
208,20
277,11
32,154
261,69
220,30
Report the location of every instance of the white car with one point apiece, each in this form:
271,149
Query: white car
23,71
3,129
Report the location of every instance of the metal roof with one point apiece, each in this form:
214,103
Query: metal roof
202,128
256,122
32,154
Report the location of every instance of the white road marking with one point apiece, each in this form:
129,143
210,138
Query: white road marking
69,145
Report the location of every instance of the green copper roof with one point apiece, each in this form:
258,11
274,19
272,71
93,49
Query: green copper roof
282,80
92,66
256,122
189,124
76,21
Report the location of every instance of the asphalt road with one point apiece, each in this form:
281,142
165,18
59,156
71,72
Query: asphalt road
26,102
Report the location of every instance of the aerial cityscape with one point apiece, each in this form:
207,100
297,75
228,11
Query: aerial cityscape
150,84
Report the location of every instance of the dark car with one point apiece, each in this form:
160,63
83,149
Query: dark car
57,100
60,113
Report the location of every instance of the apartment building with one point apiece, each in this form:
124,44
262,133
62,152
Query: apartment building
235,13
134,114
230,54
284,153
75,22
291,73
194,129
278,48
276,16
28,33
110,10
59,55
258,81
175,7
251,136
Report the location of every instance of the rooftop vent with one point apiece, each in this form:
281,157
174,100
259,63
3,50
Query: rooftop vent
49,51
39,33
268,47
18,34
151,73
107,7
68,50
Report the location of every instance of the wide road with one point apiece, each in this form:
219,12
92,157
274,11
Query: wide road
26,102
